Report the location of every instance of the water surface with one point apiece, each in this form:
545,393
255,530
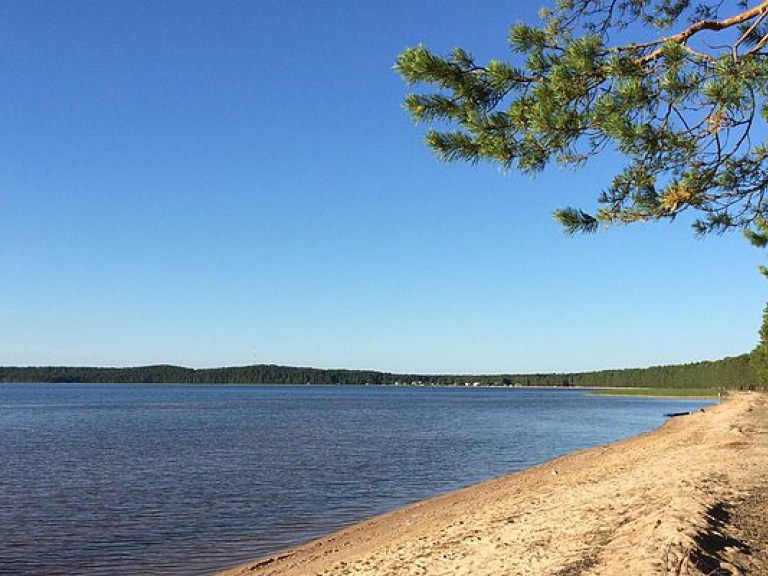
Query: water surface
187,479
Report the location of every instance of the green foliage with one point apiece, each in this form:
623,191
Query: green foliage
728,373
759,356
758,236
681,107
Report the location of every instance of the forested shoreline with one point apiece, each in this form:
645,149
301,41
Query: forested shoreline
732,373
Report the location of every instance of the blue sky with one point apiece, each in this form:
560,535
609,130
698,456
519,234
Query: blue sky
227,183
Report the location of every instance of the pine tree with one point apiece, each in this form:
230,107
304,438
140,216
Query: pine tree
758,236
684,104
759,356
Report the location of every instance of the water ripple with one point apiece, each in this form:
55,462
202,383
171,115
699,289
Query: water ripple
163,480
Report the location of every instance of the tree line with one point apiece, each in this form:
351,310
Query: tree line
732,373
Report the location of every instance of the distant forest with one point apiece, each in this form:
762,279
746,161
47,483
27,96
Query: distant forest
731,373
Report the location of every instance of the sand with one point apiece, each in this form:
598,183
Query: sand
687,499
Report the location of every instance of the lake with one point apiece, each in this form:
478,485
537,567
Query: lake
155,479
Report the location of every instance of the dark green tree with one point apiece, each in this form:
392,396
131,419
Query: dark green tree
758,236
677,87
759,356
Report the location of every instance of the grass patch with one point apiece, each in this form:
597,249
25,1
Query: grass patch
660,392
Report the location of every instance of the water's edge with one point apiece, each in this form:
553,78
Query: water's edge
188,480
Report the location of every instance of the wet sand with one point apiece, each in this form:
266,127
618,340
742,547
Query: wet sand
687,499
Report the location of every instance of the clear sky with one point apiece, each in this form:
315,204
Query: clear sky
228,183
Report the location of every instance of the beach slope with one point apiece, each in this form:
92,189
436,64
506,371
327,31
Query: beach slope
687,499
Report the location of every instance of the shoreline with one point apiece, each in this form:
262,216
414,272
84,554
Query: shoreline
650,504
620,391
609,394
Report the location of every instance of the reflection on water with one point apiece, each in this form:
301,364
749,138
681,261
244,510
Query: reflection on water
187,479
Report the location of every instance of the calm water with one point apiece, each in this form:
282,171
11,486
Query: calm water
184,480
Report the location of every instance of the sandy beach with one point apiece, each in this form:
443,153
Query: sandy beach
687,499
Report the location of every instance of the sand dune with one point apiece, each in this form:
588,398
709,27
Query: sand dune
687,499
